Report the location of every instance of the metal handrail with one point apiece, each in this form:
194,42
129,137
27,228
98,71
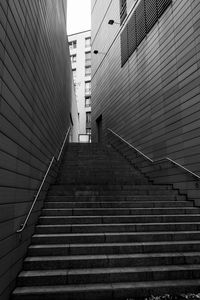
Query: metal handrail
22,226
61,150
156,160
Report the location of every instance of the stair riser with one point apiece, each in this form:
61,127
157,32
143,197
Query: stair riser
111,249
116,204
110,262
48,220
101,163
116,198
119,176
95,250
97,187
109,277
129,180
98,172
94,179
116,228
110,193
111,212
115,238
42,280
112,187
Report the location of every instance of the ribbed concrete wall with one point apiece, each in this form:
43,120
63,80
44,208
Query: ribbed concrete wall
35,104
153,100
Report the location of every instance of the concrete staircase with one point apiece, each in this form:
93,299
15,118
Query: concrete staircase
106,232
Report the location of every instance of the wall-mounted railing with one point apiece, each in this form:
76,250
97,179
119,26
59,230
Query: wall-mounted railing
23,225
157,160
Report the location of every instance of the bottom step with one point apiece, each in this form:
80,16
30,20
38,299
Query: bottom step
114,291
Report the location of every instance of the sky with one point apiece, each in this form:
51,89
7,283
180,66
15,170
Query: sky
78,16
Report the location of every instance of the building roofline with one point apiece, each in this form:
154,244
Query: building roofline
79,32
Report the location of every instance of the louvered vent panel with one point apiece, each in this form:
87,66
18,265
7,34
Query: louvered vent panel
151,13
132,41
162,6
123,12
124,46
140,22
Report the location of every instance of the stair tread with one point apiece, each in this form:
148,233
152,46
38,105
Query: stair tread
117,224
111,196
154,186
111,233
120,216
104,286
114,244
111,256
123,208
113,202
108,270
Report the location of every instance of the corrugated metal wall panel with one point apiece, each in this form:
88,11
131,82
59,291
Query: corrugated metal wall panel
35,102
153,100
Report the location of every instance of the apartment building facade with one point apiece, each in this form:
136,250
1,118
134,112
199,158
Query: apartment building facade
80,52
146,76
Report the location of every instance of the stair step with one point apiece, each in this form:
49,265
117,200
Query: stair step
121,211
112,187
118,211
125,274
107,232
117,204
94,198
98,171
113,291
111,193
138,191
113,248
56,220
107,187
110,261
123,227
117,237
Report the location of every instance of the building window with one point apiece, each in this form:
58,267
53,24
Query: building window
72,45
74,74
73,58
88,132
88,87
123,10
87,42
87,70
87,101
88,117
87,58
